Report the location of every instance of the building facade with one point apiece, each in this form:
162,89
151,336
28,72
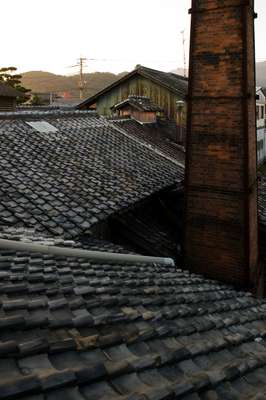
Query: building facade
261,125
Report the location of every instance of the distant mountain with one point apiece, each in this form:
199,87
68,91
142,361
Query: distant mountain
261,73
43,82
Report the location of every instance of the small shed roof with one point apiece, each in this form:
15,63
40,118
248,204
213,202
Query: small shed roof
141,103
8,91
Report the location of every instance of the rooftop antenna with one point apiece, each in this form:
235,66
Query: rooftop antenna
184,52
81,64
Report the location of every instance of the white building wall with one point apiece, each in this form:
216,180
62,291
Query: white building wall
261,126
261,145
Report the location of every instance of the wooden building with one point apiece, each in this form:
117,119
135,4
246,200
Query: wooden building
163,89
8,97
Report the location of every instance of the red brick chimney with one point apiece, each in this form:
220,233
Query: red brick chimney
221,227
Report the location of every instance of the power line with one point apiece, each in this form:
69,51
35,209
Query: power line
126,60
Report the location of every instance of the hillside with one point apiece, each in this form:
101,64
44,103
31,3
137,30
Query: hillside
260,71
43,82
261,74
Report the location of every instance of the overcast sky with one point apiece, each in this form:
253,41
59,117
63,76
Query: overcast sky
116,34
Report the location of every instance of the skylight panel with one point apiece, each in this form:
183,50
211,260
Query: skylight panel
42,126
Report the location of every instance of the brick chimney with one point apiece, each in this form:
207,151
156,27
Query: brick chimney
221,227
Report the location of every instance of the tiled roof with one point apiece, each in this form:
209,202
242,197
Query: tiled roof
71,329
8,91
173,82
141,103
160,135
62,172
262,200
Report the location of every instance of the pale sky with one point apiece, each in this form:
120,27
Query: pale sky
50,35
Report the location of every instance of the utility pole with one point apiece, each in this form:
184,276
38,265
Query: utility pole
184,52
81,85
81,62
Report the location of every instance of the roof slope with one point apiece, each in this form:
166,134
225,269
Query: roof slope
173,82
75,330
160,135
262,200
76,172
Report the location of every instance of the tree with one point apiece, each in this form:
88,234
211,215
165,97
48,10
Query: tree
8,76
35,100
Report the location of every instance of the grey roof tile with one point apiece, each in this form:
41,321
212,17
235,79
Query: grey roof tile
160,136
124,344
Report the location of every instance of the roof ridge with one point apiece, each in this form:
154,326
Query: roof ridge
44,113
164,72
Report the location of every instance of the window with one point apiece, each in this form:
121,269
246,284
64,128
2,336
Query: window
260,145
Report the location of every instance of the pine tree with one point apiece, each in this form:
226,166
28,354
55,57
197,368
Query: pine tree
9,77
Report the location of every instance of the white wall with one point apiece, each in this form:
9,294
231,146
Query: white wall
261,128
261,145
